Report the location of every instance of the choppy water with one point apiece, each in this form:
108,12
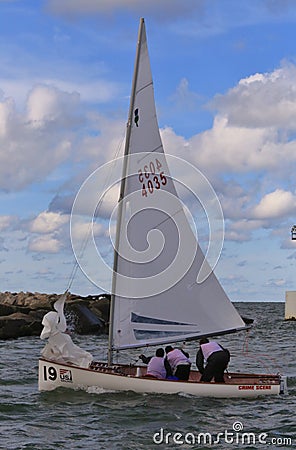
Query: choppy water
66,419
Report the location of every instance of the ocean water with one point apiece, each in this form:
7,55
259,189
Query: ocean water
66,419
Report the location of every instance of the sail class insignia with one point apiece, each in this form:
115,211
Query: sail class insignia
136,112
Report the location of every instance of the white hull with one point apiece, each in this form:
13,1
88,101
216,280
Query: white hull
124,378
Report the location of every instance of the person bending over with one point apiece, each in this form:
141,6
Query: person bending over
179,362
212,360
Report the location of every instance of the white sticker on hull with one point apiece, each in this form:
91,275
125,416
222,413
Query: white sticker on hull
66,375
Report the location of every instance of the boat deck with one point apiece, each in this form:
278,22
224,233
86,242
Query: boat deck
229,377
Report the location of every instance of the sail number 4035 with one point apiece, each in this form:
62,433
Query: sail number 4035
151,177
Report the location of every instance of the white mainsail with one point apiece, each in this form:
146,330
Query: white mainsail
156,298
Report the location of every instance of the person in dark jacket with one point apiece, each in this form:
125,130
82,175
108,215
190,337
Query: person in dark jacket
212,360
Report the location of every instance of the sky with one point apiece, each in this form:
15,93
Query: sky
225,89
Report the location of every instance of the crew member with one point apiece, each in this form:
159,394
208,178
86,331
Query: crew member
212,360
156,367
179,362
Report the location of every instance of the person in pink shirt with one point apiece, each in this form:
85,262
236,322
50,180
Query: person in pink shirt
179,362
156,367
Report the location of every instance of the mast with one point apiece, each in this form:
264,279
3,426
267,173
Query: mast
122,189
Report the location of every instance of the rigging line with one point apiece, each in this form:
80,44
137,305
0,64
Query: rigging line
246,342
259,357
76,264
265,360
85,241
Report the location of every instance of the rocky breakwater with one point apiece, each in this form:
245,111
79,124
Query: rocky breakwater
21,313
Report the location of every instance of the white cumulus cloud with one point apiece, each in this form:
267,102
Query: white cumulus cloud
276,204
6,222
47,104
83,231
45,244
34,143
47,222
262,100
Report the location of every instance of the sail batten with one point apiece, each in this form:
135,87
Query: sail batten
146,156
158,257
144,87
175,338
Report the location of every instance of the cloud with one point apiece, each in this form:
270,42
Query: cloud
82,231
105,144
240,230
253,129
52,231
262,100
275,205
164,10
276,282
47,104
233,235
250,151
8,222
3,248
34,143
47,222
45,244
98,90
233,149
246,166
185,99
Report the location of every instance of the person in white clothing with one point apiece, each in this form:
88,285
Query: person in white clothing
212,360
179,362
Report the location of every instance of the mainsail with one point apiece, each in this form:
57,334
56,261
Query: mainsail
156,298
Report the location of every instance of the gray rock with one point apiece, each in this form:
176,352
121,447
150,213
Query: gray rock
18,325
21,313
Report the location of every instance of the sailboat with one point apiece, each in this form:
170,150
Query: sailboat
151,305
